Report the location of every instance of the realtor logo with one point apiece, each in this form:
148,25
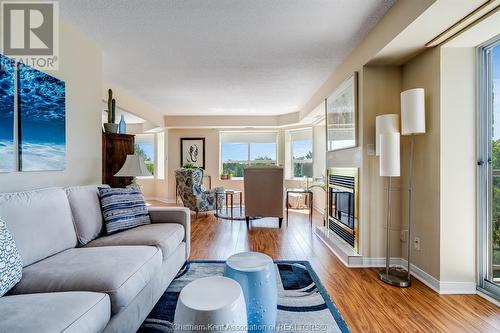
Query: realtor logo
30,32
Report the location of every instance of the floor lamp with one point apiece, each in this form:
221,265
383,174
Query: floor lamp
390,167
412,123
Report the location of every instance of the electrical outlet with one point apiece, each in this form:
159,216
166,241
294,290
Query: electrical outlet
416,243
403,236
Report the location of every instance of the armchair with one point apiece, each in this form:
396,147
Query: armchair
263,192
192,192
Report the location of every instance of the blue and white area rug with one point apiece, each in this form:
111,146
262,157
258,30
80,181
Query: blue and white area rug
303,303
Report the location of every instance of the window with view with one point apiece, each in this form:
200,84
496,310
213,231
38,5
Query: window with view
239,149
302,153
145,147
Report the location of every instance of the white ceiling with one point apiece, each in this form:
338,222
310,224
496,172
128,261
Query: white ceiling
224,57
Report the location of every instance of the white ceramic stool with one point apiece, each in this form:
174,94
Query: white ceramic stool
256,274
211,304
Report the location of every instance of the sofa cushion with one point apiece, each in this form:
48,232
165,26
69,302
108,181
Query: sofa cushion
11,266
123,208
119,271
166,236
86,210
40,222
81,312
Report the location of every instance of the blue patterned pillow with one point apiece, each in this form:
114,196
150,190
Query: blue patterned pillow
123,208
11,265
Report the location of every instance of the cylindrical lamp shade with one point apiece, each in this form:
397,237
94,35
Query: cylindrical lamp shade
387,123
389,155
413,111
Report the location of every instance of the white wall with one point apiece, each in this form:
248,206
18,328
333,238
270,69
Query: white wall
458,165
80,66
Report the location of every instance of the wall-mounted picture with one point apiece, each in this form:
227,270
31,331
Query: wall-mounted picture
7,153
193,152
341,115
41,121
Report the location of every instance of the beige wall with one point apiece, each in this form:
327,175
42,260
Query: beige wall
319,163
80,66
381,87
212,152
212,159
458,165
424,72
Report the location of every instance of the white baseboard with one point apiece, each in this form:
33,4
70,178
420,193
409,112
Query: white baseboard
350,259
164,200
488,298
463,288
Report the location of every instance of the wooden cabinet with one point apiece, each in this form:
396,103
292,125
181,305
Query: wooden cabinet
115,148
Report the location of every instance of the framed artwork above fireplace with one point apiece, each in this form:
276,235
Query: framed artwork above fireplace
342,115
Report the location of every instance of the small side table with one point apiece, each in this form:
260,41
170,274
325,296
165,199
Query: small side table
228,194
256,274
210,301
310,195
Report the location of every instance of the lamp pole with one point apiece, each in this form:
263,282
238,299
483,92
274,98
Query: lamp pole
410,202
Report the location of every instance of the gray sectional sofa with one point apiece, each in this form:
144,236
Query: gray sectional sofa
77,279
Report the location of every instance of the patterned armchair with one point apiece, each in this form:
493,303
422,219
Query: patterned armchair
193,194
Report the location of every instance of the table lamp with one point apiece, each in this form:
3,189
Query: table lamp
134,166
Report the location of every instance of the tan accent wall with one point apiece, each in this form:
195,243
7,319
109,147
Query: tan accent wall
380,95
423,71
80,66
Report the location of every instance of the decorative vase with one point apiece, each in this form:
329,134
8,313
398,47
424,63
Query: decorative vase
122,126
111,128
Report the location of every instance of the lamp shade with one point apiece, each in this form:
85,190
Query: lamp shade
413,111
389,155
387,123
134,166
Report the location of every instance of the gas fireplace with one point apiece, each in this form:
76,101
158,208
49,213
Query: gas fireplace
343,204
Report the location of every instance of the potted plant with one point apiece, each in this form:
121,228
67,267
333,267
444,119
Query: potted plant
188,165
320,182
230,175
110,126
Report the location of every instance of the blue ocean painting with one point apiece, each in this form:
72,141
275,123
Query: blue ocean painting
42,121
7,71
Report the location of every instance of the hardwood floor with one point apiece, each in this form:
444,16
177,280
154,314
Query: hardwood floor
366,303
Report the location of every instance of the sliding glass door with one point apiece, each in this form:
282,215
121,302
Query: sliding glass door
489,168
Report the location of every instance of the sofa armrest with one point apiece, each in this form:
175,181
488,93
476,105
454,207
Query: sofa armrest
179,215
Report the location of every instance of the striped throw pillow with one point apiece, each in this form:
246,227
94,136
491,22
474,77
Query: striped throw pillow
123,208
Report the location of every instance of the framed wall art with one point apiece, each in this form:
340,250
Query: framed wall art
7,81
193,152
341,115
41,121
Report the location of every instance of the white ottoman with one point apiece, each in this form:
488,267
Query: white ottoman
211,304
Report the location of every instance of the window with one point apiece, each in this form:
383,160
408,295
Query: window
239,149
302,153
489,169
145,147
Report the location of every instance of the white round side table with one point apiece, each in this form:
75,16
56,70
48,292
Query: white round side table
211,304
